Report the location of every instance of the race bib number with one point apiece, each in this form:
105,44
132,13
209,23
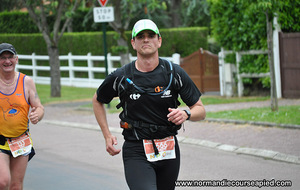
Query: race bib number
166,149
20,145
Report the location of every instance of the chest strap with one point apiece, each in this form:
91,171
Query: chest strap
129,124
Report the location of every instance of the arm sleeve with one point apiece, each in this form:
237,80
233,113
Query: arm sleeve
108,89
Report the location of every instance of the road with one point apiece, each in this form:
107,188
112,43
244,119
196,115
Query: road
75,159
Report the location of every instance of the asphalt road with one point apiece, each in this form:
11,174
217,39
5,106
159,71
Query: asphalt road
75,159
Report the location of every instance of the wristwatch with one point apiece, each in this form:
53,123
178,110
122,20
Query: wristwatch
188,113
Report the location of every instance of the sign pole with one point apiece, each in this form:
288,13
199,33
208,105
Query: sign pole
105,51
105,47
104,15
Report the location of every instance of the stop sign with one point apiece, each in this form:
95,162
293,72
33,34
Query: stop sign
103,2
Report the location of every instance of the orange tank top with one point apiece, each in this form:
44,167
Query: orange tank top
14,110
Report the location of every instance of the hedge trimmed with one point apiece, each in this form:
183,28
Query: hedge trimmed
177,40
20,22
16,22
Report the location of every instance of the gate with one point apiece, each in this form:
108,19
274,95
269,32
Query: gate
290,64
203,68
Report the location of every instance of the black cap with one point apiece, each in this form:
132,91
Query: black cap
7,47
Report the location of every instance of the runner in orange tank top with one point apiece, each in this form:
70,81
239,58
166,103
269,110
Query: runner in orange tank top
17,96
14,109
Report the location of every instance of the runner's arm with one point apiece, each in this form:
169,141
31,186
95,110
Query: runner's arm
197,111
37,109
100,114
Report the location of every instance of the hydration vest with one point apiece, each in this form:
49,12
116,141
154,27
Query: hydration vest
127,86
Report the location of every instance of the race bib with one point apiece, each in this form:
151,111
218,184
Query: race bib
166,149
20,145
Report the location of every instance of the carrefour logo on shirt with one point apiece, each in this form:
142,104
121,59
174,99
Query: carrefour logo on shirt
135,96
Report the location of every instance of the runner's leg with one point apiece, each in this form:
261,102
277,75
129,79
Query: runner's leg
139,173
167,171
18,168
4,171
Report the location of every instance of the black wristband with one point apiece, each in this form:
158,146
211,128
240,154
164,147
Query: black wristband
188,113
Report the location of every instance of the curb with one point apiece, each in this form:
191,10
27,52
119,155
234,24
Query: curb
267,154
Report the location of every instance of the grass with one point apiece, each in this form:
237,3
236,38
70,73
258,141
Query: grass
285,114
67,94
207,100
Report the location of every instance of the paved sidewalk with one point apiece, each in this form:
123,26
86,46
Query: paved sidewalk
282,144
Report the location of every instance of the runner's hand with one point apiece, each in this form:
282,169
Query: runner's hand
33,116
176,116
110,143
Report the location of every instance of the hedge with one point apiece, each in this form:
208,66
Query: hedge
177,40
16,22
20,22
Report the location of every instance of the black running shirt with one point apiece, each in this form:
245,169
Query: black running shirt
150,108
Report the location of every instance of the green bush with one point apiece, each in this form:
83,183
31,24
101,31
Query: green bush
16,22
288,16
236,26
184,41
180,40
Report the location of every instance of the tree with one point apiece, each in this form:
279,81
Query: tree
39,11
269,7
194,13
274,100
120,26
8,5
175,6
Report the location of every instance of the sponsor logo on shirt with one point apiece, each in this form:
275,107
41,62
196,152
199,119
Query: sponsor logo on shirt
134,96
167,94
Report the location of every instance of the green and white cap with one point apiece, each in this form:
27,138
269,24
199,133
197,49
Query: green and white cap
144,24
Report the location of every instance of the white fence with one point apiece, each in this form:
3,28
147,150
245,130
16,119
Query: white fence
240,76
227,71
72,80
